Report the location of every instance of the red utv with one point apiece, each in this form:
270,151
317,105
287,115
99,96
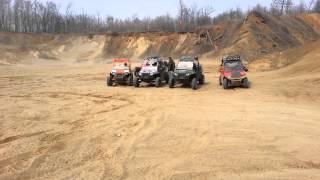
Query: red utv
121,72
233,73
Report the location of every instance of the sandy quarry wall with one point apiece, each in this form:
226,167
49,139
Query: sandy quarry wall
19,47
258,37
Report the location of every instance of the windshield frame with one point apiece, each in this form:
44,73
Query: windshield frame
233,66
179,67
119,65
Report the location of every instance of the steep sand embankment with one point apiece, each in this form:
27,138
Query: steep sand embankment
259,37
24,48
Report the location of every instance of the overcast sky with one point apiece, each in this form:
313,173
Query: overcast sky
151,8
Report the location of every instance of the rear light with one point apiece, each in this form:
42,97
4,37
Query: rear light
243,73
227,74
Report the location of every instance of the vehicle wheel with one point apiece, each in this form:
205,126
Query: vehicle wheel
194,84
171,82
136,82
225,83
158,82
245,83
202,80
130,80
109,81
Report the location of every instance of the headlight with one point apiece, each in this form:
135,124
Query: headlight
187,74
176,74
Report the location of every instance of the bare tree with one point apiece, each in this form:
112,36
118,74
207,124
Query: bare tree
5,15
316,7
260,8
37,16
288,6
182,15
310,5
280,5
301,7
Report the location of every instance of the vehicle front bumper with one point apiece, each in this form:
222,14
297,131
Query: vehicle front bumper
147,77
120,77
236,81
182,75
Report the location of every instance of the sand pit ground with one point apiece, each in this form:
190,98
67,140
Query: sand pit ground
60,121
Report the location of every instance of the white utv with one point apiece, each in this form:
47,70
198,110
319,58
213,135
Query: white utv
152,71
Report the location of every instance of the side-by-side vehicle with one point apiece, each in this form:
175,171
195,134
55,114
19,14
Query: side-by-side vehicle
152,71
121,73
188,72
233,73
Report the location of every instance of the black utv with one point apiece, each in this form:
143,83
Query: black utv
152,71
188,72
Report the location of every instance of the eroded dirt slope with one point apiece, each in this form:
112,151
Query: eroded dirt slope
259,36
262,36
24,48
